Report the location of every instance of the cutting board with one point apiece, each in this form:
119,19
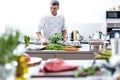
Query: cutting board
61,74
56,74
34,61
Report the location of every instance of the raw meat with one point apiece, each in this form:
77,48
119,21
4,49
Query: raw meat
56,65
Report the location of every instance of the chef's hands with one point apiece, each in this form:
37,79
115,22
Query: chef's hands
44,42
64,40
64,35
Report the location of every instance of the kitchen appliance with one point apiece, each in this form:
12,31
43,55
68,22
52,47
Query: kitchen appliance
96,36
75,36
115,30
113,14
112,23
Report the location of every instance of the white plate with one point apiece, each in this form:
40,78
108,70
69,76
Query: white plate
35,47
34,61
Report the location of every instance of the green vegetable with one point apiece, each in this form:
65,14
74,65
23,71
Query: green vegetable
103,54
55,38
78,72
106,52
88,71
26,40
54,47
8,42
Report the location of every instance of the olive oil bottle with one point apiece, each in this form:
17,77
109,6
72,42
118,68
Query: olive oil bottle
22,68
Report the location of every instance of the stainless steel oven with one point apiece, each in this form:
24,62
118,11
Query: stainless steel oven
113,14
114,31
113,23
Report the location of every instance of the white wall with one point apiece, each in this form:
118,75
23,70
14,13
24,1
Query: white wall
87,11
25,14
86,29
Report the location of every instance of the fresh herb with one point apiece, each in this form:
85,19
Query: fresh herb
8,42
78,71
54,47
86,71
26,40
55,38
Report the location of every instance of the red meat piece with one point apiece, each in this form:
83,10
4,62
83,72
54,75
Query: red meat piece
56,65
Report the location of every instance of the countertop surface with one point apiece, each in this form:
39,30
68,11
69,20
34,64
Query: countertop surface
83,53
85,63
84,48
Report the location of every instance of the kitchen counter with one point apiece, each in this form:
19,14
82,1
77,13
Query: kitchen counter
85,63
83,53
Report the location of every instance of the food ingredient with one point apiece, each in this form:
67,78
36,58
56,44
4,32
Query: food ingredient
55,38
103,54
86,71
26,40
71,48
54,47
8,43
57,65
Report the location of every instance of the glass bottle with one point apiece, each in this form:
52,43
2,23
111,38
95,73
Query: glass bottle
21,69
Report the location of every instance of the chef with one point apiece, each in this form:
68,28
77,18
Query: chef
51,24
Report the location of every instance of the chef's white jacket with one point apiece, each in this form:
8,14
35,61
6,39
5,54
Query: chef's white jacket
50,24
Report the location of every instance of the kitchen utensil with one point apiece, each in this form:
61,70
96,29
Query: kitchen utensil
97,35
109,67
75,36
94,61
